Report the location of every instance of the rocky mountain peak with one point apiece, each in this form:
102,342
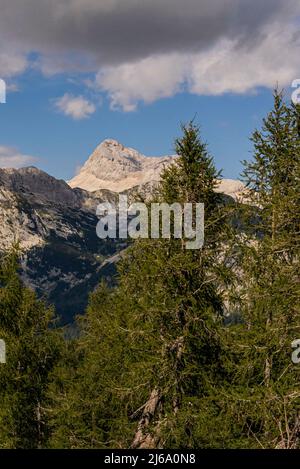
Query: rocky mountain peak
114,167
117,168
111,143
31,180
112,159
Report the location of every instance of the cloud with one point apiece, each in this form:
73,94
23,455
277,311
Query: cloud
76,107
147,80
241,68
228,66
115,31
12,87
12,158
13,63
150,49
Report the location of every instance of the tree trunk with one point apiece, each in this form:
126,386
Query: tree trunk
143,438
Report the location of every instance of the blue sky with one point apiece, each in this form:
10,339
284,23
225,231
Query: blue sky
69,87
31,123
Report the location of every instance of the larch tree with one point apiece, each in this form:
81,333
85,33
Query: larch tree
32,350
153,348
265,394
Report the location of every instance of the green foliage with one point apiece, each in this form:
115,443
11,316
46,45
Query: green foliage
32,350
155,342
266,383
156,362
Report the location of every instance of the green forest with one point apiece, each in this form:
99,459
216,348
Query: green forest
192,348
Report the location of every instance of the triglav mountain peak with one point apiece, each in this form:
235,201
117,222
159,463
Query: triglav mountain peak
117,168
114,167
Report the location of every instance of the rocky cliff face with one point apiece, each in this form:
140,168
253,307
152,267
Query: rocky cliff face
33,181
62,258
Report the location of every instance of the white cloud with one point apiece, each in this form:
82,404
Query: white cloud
76,107
12,63
147,80
228,66
12,158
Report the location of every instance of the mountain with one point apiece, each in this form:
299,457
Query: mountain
117,168
62,257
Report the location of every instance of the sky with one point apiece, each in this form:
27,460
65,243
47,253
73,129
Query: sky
80,71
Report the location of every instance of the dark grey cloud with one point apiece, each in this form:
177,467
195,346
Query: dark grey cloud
108,32
143,50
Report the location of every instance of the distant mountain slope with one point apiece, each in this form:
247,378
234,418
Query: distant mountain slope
56,226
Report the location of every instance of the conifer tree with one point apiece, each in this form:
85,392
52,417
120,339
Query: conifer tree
87,410
265,397
31,352
153,352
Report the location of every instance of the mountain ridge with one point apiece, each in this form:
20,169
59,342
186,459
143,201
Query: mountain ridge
114,167
62,258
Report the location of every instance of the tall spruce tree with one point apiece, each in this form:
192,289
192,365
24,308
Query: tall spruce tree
152,349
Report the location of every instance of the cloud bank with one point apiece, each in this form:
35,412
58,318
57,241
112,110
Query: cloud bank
150,49
12,158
